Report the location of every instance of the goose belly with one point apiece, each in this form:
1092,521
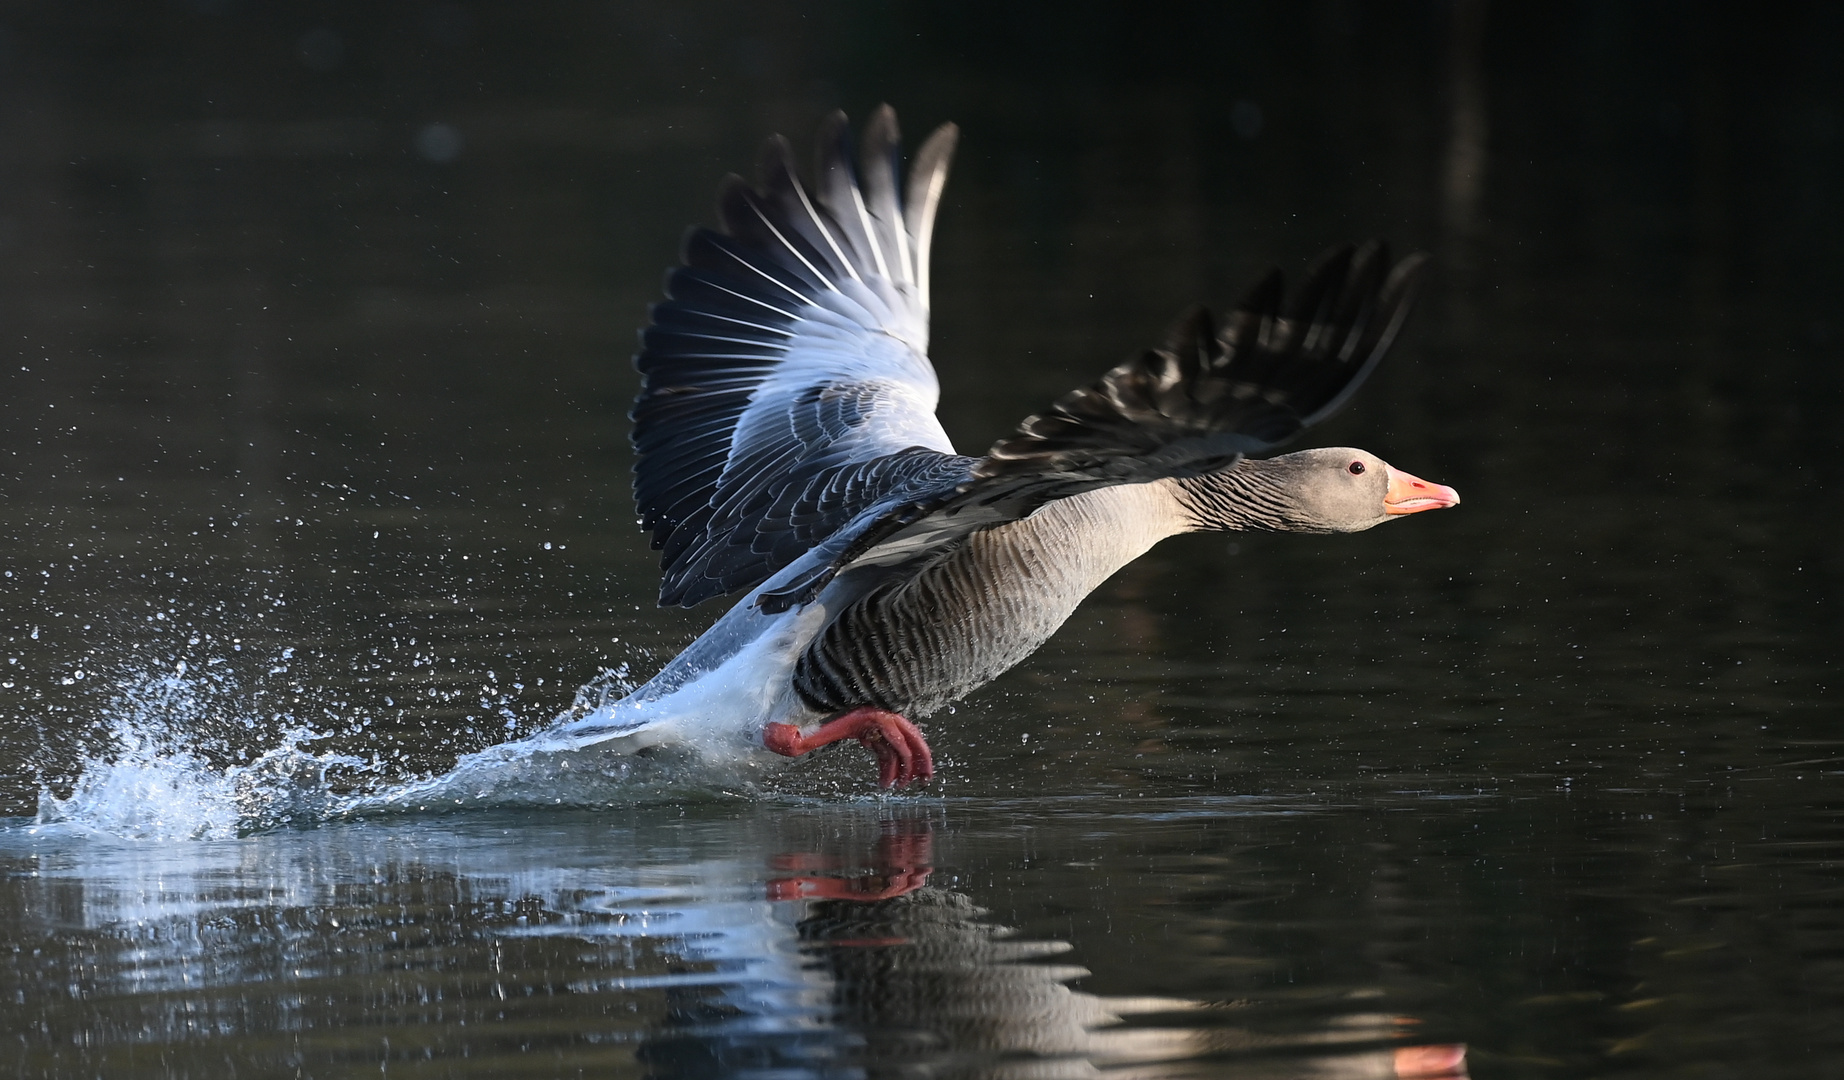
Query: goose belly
915,644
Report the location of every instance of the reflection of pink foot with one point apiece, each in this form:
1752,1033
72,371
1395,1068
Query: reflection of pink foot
1436,1062
860,889
903,756
900,866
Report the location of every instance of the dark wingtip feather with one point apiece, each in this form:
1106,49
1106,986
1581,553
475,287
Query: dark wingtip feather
1389,302
774,163
1264,297
882,126
938,147
733,195
880,146
832,143
928,177
1330,271
1405,280
1197,325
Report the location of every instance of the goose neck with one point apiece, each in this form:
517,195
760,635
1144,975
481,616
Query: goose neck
1247,496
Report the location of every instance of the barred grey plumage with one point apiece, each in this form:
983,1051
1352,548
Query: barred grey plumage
914,643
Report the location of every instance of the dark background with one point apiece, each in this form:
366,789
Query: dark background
315,323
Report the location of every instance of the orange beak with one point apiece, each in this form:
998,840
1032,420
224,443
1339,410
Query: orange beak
1410,494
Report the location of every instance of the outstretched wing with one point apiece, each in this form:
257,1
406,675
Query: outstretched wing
1214,393
786,385
1211,395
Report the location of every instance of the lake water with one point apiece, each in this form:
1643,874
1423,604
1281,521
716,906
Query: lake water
313,478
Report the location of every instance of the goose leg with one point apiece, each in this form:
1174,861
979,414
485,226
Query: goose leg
903,756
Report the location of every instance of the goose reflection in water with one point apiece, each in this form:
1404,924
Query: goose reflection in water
686,946
917,980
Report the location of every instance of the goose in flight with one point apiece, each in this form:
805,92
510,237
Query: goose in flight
787,448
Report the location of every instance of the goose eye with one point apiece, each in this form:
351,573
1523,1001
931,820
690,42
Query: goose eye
1356,468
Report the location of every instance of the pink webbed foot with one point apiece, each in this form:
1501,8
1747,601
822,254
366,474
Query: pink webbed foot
903,756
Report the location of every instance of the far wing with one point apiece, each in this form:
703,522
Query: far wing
1211,395
1215,393
787,389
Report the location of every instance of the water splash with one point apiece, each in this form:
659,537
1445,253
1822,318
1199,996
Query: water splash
176,764
160,778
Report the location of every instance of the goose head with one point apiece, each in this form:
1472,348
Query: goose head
1334,489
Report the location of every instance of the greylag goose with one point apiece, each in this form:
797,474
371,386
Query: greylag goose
787,447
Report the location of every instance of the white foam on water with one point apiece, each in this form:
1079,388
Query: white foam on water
162,773
146,790
156,778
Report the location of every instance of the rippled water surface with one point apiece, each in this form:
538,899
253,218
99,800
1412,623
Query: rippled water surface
313,482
